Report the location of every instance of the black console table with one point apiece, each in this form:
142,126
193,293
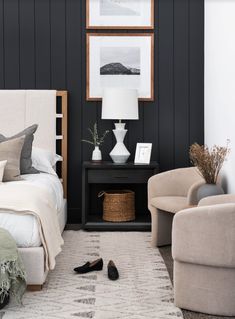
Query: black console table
111,176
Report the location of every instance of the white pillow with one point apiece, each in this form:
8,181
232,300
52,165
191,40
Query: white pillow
44,160
2,166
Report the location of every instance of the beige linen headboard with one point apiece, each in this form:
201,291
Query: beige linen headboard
21,108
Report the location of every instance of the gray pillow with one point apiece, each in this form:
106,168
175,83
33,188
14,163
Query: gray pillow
25,159
10,151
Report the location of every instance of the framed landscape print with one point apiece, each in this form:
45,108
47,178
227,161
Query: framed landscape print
120,60
120,14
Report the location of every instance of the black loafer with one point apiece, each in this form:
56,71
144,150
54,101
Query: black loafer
112,271
5,302
90,266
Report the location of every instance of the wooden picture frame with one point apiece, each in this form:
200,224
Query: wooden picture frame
121,24
102,47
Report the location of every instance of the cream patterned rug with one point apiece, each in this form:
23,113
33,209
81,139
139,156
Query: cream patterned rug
143,291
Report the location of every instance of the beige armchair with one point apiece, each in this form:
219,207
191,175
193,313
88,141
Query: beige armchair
168,193
203,249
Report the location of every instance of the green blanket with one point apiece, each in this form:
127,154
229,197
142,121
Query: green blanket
12,273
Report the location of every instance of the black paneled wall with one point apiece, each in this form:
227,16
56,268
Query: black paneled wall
43,46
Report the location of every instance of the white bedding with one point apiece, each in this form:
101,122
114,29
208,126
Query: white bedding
27,235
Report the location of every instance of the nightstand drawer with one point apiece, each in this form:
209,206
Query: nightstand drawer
119,176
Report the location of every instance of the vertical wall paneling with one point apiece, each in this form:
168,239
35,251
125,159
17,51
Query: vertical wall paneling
27,42
136,131
105,125
89,109
11,44
196,57
1,44
150,110
166,83
181,82
58,43
74,87
43,46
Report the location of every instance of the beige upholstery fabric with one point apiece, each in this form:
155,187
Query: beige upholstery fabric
204,289
214,200
170,192
34,257
200,233
2,167
29,107
170,204
192,192
34,262
11,150
203,241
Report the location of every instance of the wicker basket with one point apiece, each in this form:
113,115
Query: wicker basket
118,205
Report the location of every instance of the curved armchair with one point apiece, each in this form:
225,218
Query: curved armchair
204,256
168,193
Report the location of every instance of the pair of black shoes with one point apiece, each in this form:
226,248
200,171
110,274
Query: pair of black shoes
97,265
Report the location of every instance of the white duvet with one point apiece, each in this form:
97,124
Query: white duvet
27,235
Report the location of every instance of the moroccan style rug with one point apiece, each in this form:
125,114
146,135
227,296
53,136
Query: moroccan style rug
143,291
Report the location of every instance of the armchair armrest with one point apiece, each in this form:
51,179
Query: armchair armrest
192,193
205,235
172,183
218,199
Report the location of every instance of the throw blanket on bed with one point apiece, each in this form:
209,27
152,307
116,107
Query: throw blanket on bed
25,198
12,273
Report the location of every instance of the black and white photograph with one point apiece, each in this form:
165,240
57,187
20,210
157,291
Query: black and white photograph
120,14
120,7
120,60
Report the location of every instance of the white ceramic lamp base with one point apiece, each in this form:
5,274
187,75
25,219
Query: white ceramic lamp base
119,153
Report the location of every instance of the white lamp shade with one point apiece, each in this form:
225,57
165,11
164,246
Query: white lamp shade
120,104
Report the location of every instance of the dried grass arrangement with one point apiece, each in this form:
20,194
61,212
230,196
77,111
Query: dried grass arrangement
96,140
209,161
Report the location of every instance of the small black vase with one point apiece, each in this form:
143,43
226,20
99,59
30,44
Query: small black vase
209,190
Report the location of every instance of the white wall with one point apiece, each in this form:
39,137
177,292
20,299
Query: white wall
220,80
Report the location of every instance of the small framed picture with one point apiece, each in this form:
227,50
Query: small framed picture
143,153
120,14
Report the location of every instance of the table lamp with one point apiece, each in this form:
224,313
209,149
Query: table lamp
120,104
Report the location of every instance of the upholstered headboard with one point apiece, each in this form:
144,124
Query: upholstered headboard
48,108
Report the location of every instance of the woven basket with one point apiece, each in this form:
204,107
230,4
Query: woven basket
118,205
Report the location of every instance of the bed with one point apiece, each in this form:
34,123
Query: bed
27,236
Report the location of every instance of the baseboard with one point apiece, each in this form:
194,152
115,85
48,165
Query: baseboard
73,227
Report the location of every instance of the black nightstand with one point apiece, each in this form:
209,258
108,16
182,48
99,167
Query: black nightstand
110,176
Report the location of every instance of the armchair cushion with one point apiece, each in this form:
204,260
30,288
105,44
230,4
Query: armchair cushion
171,204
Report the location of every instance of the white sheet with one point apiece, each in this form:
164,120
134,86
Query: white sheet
24,228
